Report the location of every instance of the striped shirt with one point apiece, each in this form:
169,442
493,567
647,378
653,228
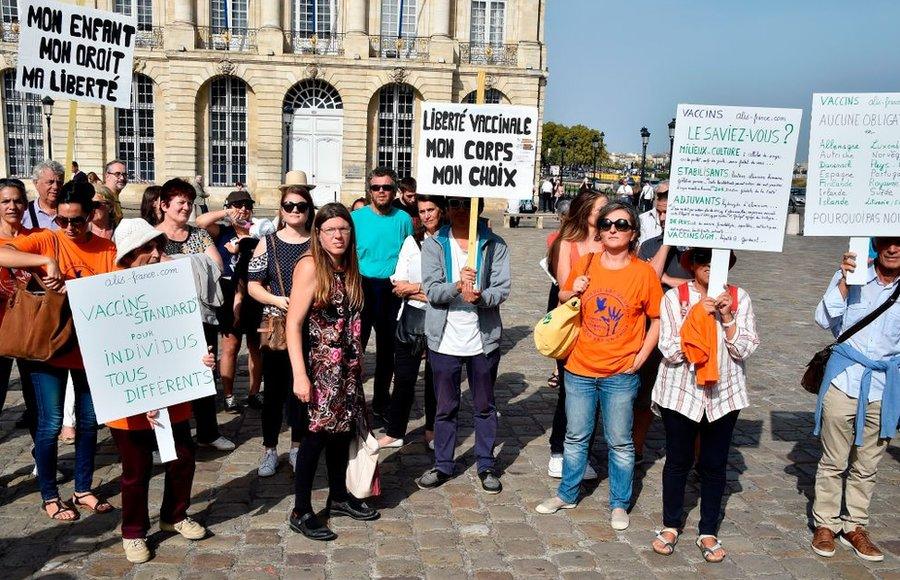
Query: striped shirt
676,384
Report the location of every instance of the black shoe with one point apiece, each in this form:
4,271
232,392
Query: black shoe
254,401
490,481
311,527
431,479
354,508
232,406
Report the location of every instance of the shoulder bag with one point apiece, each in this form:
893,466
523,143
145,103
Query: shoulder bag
555,334
815,368
272,331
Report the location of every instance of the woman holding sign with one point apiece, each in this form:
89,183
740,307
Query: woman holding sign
56,256
139,244
324,328
618,293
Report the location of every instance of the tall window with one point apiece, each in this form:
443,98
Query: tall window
314,17
24,127
144,12
228,15
227,131
491,97
134,131
9,11
395,128
398,18
488,21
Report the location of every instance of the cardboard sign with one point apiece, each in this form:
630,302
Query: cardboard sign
731,177
853,185
75,53
141,338
477,150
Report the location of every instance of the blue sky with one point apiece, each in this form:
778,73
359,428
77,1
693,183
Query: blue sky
617,66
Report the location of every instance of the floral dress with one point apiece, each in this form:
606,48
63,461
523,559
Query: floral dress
334,363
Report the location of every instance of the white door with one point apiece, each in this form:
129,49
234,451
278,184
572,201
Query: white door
316,143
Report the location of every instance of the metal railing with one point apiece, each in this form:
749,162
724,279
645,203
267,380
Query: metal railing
229,39
405,47
484,53
9,32
150,38
306,43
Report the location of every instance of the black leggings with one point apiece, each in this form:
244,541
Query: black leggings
278,390
337,455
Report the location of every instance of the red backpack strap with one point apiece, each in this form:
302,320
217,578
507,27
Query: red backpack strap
684,298
733,290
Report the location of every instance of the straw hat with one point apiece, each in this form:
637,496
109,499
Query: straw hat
131,235
295,177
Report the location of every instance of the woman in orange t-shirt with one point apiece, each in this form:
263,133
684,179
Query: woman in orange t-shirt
56,256
618,293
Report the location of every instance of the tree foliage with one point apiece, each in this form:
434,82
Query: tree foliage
578,148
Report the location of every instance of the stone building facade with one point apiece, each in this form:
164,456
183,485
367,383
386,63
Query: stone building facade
243,90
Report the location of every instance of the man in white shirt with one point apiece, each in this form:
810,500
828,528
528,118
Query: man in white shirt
646,197
47,177
546,194
653,222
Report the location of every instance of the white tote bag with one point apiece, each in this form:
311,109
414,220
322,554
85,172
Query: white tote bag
363,463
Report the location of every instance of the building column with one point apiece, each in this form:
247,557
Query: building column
443,48
182,28
356,41
270,38
529,24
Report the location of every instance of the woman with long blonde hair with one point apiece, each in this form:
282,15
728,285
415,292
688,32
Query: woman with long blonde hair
324,341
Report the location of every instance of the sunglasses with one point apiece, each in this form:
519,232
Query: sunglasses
241,204
383,187
621,224
295,207
64,222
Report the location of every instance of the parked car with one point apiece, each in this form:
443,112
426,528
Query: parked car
797,198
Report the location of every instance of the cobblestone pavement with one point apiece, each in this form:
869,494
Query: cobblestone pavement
459,532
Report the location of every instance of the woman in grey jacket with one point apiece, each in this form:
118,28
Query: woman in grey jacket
463,326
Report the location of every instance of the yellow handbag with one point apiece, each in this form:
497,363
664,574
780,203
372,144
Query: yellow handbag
555,334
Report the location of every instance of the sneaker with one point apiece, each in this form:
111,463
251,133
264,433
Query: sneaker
231,405
858,540
619,519
292,458
490,482
220,444
823,542
393,444
187,527
269,464
431,444
254,401
553,505
136,550
431,479
589,473
554,466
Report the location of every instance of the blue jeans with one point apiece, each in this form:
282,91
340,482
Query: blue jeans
615,395
50,392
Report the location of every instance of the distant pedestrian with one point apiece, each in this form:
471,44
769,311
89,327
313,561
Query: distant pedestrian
652,221
546,194
646,200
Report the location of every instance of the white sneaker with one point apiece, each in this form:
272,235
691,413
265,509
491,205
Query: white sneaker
554,466
292,457
136,550
589,473
619,519
395,444
431,444
269,464
221,444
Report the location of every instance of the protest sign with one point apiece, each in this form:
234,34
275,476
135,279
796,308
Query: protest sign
77,53
731,177
470,150
141,338
853,185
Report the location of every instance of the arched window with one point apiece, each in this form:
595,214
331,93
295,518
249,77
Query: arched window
134,131
395,128
488,21
491,97
24,128
227,131
313,94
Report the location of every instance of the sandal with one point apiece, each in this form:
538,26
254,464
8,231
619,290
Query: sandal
709,551
100,507
61,511
669,546
553,381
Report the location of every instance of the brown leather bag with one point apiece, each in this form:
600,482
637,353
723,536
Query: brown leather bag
272,331
37,325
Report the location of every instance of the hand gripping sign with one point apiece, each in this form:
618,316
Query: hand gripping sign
142,342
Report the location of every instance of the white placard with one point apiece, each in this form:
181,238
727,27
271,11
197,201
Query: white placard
141,338
477,150
731,177
165,438
859,276
718,272
76,53
853,185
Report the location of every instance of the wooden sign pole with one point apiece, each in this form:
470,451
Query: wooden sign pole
473,209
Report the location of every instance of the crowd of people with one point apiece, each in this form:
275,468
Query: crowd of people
307,290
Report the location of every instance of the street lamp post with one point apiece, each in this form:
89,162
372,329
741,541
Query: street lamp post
595,144
671,143
287,118
562,159
645,140
47,109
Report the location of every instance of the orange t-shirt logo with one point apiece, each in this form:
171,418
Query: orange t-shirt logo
604,310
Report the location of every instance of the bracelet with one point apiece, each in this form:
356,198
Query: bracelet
729,324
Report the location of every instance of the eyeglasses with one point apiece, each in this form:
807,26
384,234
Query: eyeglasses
621,224
118,174
457,203
64,222
389,187
243,204
332,232
295,207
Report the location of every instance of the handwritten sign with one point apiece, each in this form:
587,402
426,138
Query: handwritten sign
731,177
853,185
477,150
76,53
141,338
